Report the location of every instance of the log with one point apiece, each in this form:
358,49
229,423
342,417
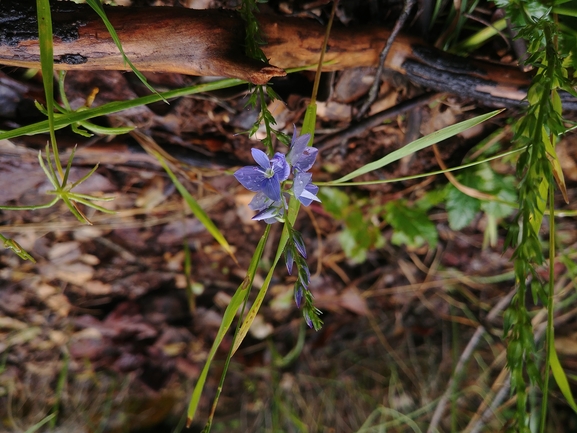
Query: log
210,43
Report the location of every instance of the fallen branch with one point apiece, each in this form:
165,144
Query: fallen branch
210,43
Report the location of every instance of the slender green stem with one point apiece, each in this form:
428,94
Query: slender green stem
417,176
116,106
550,308
32,207
269,147
229,315
320,64
47,57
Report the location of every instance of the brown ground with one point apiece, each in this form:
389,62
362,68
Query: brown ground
104,327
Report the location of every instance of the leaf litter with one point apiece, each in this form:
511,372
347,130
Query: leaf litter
111,296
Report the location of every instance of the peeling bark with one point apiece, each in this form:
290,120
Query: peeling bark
210,43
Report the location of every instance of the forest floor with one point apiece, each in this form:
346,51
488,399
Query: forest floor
111,329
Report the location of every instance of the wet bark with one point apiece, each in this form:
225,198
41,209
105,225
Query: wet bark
210,43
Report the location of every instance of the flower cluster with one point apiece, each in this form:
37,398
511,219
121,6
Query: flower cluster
267,180
295,254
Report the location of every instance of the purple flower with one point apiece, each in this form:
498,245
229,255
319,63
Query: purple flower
301,156
289,258
298,242
304,190
299,292
268,210
304,276
307,317
267,176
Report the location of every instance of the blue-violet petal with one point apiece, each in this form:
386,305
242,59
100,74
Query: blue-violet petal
251,178
271,188
261,158
306,159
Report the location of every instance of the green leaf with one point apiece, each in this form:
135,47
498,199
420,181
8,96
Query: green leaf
501,210
334,201
412,226
195,208
559,375
47,67
292,213
229,315
310,121
431,199
419,144
461,209
67,119
40,423
538,210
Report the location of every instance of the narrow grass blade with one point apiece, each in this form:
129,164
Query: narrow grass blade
229,315
227,319
17,249
67,119
99,9
419,144
195,208
40,423
309,122
431,173
560,376
481,37
47,67
59,389
32,206
106,130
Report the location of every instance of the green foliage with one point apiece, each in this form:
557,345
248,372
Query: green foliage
63,189
72,117
419,144
538,168
39,424
239,298
16,248
551,46
257,100
193,205
560,376
359,234
76,127
47,67
253,36
462,208
412,226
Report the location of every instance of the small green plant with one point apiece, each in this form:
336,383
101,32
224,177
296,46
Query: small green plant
359,234
62,191
462,208
538,168
411,224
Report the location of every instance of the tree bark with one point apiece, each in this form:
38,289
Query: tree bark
211,43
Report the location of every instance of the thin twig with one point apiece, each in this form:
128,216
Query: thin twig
490,411
358,128
436,419
408,6
486,410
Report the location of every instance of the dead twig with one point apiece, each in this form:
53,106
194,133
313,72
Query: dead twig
373,92
439,410
358,128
